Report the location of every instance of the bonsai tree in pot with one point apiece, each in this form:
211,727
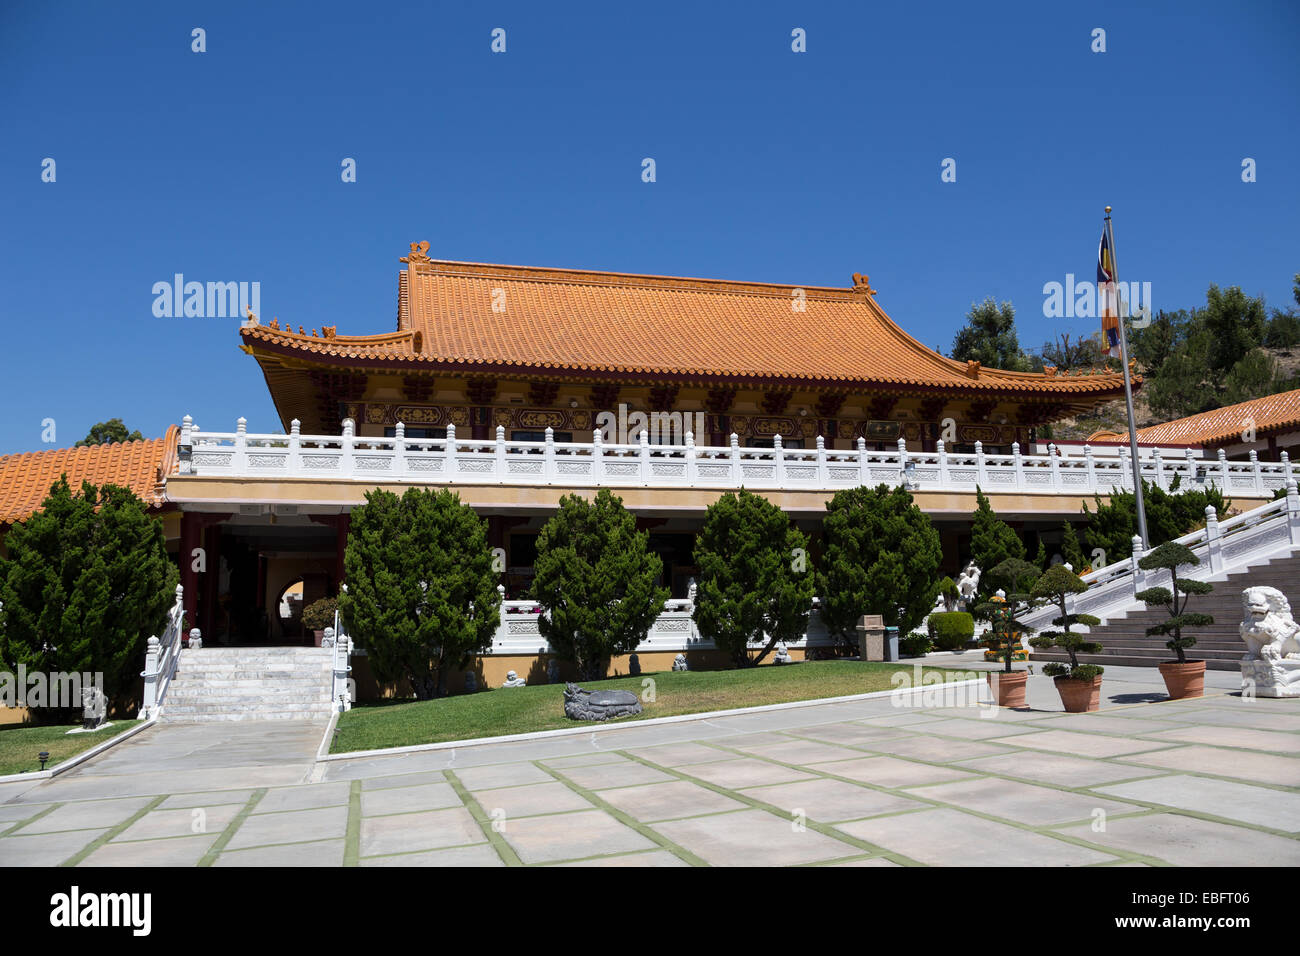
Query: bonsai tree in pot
1078,684
1183,678
1004,636
319,615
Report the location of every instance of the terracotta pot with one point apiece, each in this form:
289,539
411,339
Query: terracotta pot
1079,696
1183,680
1009,689
318,636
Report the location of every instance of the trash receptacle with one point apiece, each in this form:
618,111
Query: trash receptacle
891,643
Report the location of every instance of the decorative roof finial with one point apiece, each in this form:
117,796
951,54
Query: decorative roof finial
862,284
250,319
419,253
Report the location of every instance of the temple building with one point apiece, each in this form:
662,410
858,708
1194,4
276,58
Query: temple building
1267,426
517,385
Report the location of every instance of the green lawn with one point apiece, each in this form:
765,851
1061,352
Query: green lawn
20,743
521,710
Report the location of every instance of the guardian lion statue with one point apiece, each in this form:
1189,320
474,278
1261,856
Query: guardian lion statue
1271,665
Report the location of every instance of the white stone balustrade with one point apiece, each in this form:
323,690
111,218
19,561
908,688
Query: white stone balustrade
161,655
1252,537
455,460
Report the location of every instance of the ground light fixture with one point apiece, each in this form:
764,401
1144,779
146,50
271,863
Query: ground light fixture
43,757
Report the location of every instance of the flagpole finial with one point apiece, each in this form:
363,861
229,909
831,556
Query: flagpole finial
1108,210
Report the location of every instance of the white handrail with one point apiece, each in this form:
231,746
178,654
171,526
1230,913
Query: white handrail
453,460
161,658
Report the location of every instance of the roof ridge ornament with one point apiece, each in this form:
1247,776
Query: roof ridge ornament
973,368
862,284
419,253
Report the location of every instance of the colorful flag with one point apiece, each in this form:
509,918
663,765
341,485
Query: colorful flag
1106,295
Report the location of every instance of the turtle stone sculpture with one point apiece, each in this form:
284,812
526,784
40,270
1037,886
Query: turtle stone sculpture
582,704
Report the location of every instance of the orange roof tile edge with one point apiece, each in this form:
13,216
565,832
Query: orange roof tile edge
1269,413
142,466
512,345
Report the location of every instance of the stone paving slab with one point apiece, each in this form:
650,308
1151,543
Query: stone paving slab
1242,764
861,783
949,837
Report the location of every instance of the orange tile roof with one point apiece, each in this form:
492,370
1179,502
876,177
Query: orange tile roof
493,318
25,479
1272,413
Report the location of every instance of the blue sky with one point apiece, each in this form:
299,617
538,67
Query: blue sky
797,168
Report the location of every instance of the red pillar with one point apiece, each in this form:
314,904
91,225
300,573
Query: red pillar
190,531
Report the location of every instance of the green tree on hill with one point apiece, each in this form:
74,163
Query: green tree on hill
109,433
989,337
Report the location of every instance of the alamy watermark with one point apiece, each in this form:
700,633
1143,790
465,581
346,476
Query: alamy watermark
1087,300
55,689
205,300
661,428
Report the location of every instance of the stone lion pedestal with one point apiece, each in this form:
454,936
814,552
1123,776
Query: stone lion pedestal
1271,666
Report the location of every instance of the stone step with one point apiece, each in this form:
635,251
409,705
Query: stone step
285,683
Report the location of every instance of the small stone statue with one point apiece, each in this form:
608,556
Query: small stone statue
328,639
782,655
679,663
514,680
968,582
94,707
634,666
1271,666
691,590
553,671
582,704
196,638
471,683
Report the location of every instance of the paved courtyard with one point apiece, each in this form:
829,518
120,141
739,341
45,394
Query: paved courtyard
1213,781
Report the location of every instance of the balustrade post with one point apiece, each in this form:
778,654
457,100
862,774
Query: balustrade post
240,460
736,471
942,454
981,476
499,454
1091,468
1160,469
1189,462
503,632
822,477
1125,470
1223,471
1293,509
449,453
1054,463
1019,464
1213,539
902,462
864,472
690,459
399,450
185,450
1285,459
1139,576
1254,467
778,457
294,464
597,456
149,700
548,456
346,451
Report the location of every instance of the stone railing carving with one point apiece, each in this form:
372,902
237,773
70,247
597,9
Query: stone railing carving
456,460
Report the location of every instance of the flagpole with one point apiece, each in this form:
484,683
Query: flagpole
1128,392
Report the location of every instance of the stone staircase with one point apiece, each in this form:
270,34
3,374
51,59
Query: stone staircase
1123,636
251,683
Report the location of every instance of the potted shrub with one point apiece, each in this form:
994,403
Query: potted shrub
319,615
1183,678
1078,684
1004,636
